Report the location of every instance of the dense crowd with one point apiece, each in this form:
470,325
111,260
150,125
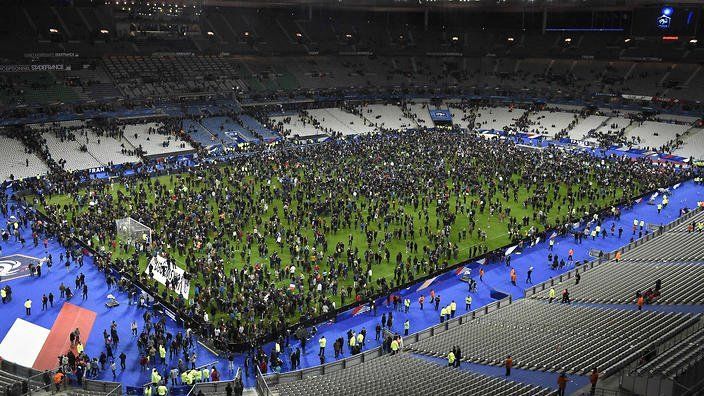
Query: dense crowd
275,237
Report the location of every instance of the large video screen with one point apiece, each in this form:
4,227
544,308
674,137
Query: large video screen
666,20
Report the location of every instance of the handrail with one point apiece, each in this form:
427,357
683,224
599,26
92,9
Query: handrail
262,387
116,391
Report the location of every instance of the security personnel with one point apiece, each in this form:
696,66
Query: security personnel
184,377
3,294
162,354
453,308
148,391
161,390
28,306
360,339
394,346
468,303
155,376
205,374
442,315
407,304
552,294
406,327
197,375
451,359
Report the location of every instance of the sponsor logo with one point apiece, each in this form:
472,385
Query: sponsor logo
15,266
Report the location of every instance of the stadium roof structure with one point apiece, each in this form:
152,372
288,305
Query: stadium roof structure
507,5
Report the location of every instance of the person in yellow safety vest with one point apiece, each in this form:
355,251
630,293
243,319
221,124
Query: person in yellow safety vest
322,342
161,390
79,348
197,375
394,346
3,294
453,308
551,294
162,354
468,303
442,315
407,304
155,376
406,327
148,391
205,374
360,339
353,341
451,359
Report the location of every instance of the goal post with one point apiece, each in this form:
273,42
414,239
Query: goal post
132,231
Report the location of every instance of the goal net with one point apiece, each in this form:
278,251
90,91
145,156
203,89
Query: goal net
130,230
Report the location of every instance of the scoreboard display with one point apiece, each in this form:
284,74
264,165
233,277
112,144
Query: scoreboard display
667,20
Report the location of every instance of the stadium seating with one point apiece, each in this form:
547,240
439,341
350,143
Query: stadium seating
107,149
341,121
405,374
676,359
585,125
498,118
228,130
617,283
257,128
419,112
387,116
654,135
670,247
198,133
297,125
550,123
153,141
692,145
18,163
70,151
556,337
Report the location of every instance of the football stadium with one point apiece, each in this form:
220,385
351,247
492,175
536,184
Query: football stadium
352,197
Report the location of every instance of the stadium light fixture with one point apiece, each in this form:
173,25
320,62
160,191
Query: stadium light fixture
53,30
299,35
349,36
693,41
510,39
104,31
628,40
455,38
568,40
211,34
246,34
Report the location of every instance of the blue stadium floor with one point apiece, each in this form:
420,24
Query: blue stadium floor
448,286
